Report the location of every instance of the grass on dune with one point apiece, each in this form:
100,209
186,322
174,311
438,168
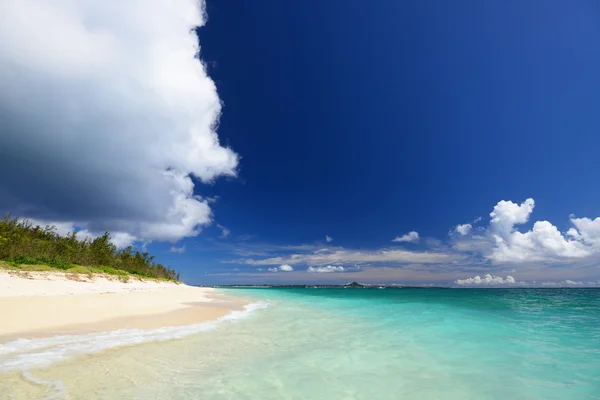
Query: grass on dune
123,276
25,246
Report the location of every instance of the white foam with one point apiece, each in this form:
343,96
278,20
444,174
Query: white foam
56,387
23,354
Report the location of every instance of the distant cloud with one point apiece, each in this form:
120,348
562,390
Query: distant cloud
328,238
463,229
487,280
329,268
136,118
492,280
179,250
351,256
283,268
569,283
410,237
497,248
224,231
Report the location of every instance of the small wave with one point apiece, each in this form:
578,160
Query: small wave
22,354
56,387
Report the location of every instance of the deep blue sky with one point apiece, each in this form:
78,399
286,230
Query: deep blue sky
364,121
433,141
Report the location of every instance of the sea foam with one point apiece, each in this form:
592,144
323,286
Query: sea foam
27,354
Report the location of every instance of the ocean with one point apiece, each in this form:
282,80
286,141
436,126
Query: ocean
334,344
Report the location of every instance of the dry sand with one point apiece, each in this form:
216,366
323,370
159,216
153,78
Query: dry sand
35,304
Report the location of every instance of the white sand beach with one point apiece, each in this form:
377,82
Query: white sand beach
36,304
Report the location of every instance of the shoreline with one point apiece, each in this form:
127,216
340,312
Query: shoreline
46,304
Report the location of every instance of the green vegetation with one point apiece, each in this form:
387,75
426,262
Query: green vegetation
26,247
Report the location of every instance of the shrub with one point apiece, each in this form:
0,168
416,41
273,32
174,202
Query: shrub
22,243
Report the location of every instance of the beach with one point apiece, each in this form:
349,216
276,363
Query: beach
39,304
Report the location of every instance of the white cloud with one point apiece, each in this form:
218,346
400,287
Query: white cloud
119,239
179,250
224,231
61,228
487,280
329,268
506,214
570,283
119,87
463,229
585,230
492,280
411,237
502,242
344,256
328,238
544,242
283,268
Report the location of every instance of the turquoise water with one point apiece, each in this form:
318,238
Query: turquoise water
357,344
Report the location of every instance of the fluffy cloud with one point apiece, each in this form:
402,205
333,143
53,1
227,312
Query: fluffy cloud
411,237
179,250
585,230
487,280
283,268
463,229
544,242
328,238
502,242
329,268
108,113
507,214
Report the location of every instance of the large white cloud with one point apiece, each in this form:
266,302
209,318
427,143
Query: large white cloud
502,242
106,114
544,242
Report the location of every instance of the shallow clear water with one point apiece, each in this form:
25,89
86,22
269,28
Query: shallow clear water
343,344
